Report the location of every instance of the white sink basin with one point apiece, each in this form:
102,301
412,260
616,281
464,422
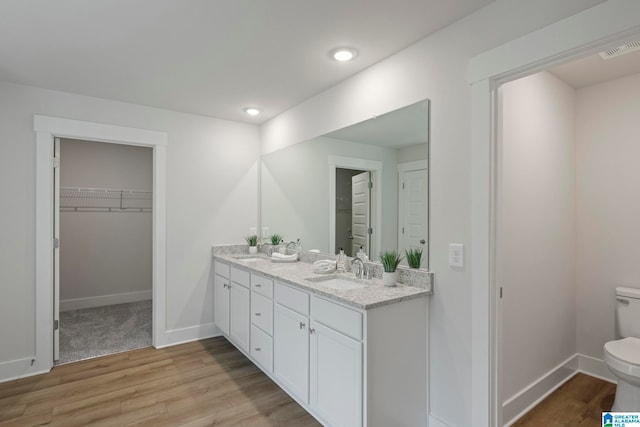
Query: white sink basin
337,282
249,259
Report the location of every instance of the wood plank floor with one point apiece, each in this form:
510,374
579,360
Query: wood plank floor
577,403
196,384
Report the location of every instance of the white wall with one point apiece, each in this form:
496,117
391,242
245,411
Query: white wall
536,253
433,68
105,253
212,197
608,205
295,190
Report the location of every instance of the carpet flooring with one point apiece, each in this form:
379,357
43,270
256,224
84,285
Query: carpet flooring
99,331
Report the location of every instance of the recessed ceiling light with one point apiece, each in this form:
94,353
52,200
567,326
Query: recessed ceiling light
344,54
252,111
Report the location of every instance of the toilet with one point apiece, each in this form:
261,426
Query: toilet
623,356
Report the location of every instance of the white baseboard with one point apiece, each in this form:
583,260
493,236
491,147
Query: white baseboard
435,422
530,396
523,401
595,367
185,335
19,368
99,301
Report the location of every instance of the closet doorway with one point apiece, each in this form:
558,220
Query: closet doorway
103,221
353,211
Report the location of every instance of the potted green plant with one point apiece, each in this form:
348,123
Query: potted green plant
253,243
276,239
390,261
414,257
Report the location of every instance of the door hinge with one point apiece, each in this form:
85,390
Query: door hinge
370,230
370,185
55,162
56,243
56,325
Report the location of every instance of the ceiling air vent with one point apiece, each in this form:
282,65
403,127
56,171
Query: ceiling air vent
620,50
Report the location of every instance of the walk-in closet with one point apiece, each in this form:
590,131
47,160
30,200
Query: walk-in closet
105,248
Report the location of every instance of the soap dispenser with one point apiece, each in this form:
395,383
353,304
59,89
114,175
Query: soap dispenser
362,255
341,261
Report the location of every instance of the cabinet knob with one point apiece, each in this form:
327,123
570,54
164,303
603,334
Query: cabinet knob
258,285
258,314
302,325
257,348
312,331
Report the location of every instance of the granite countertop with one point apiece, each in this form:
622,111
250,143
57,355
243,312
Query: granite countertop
375,294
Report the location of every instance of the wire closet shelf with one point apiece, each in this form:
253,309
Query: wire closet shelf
81,199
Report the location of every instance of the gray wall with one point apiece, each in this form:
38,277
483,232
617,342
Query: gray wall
105,253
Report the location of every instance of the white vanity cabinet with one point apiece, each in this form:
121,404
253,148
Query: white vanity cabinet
320,365
291,340
336,363
232,303
348,367
262,321
222,297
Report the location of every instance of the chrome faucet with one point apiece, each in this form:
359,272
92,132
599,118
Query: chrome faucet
359,271
290,243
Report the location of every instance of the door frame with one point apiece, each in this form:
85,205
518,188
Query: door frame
47,128
608,24
373,166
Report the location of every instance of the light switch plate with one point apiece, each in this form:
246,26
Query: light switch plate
253,231
265,232
456,255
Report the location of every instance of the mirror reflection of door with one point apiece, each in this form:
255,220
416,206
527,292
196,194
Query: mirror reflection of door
360,212
344,234
413,209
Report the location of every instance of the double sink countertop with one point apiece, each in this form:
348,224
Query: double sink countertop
372,294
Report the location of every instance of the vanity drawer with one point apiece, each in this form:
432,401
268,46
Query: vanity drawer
262,285
262,348
262,312
221,268
240,276
337,317
292,298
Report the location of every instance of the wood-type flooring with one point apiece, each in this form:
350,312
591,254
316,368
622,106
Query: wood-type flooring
201,383
577,403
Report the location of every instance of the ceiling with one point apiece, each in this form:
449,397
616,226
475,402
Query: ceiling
208,57
593,69
400,128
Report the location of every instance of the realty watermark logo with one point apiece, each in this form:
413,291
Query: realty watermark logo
621,419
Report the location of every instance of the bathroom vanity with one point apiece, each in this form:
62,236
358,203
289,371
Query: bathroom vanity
352,353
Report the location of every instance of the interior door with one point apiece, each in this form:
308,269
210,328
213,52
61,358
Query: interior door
56,249
361,212
414,196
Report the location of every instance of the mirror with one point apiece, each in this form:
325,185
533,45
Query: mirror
363,185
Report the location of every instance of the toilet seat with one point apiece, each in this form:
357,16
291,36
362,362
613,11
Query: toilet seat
624,355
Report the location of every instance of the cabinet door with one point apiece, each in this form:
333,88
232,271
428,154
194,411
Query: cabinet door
221,303
240,318
335,376
291,351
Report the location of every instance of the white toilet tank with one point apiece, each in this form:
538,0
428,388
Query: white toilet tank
628,312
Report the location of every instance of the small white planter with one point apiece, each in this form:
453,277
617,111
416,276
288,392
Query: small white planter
390,279
253,250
